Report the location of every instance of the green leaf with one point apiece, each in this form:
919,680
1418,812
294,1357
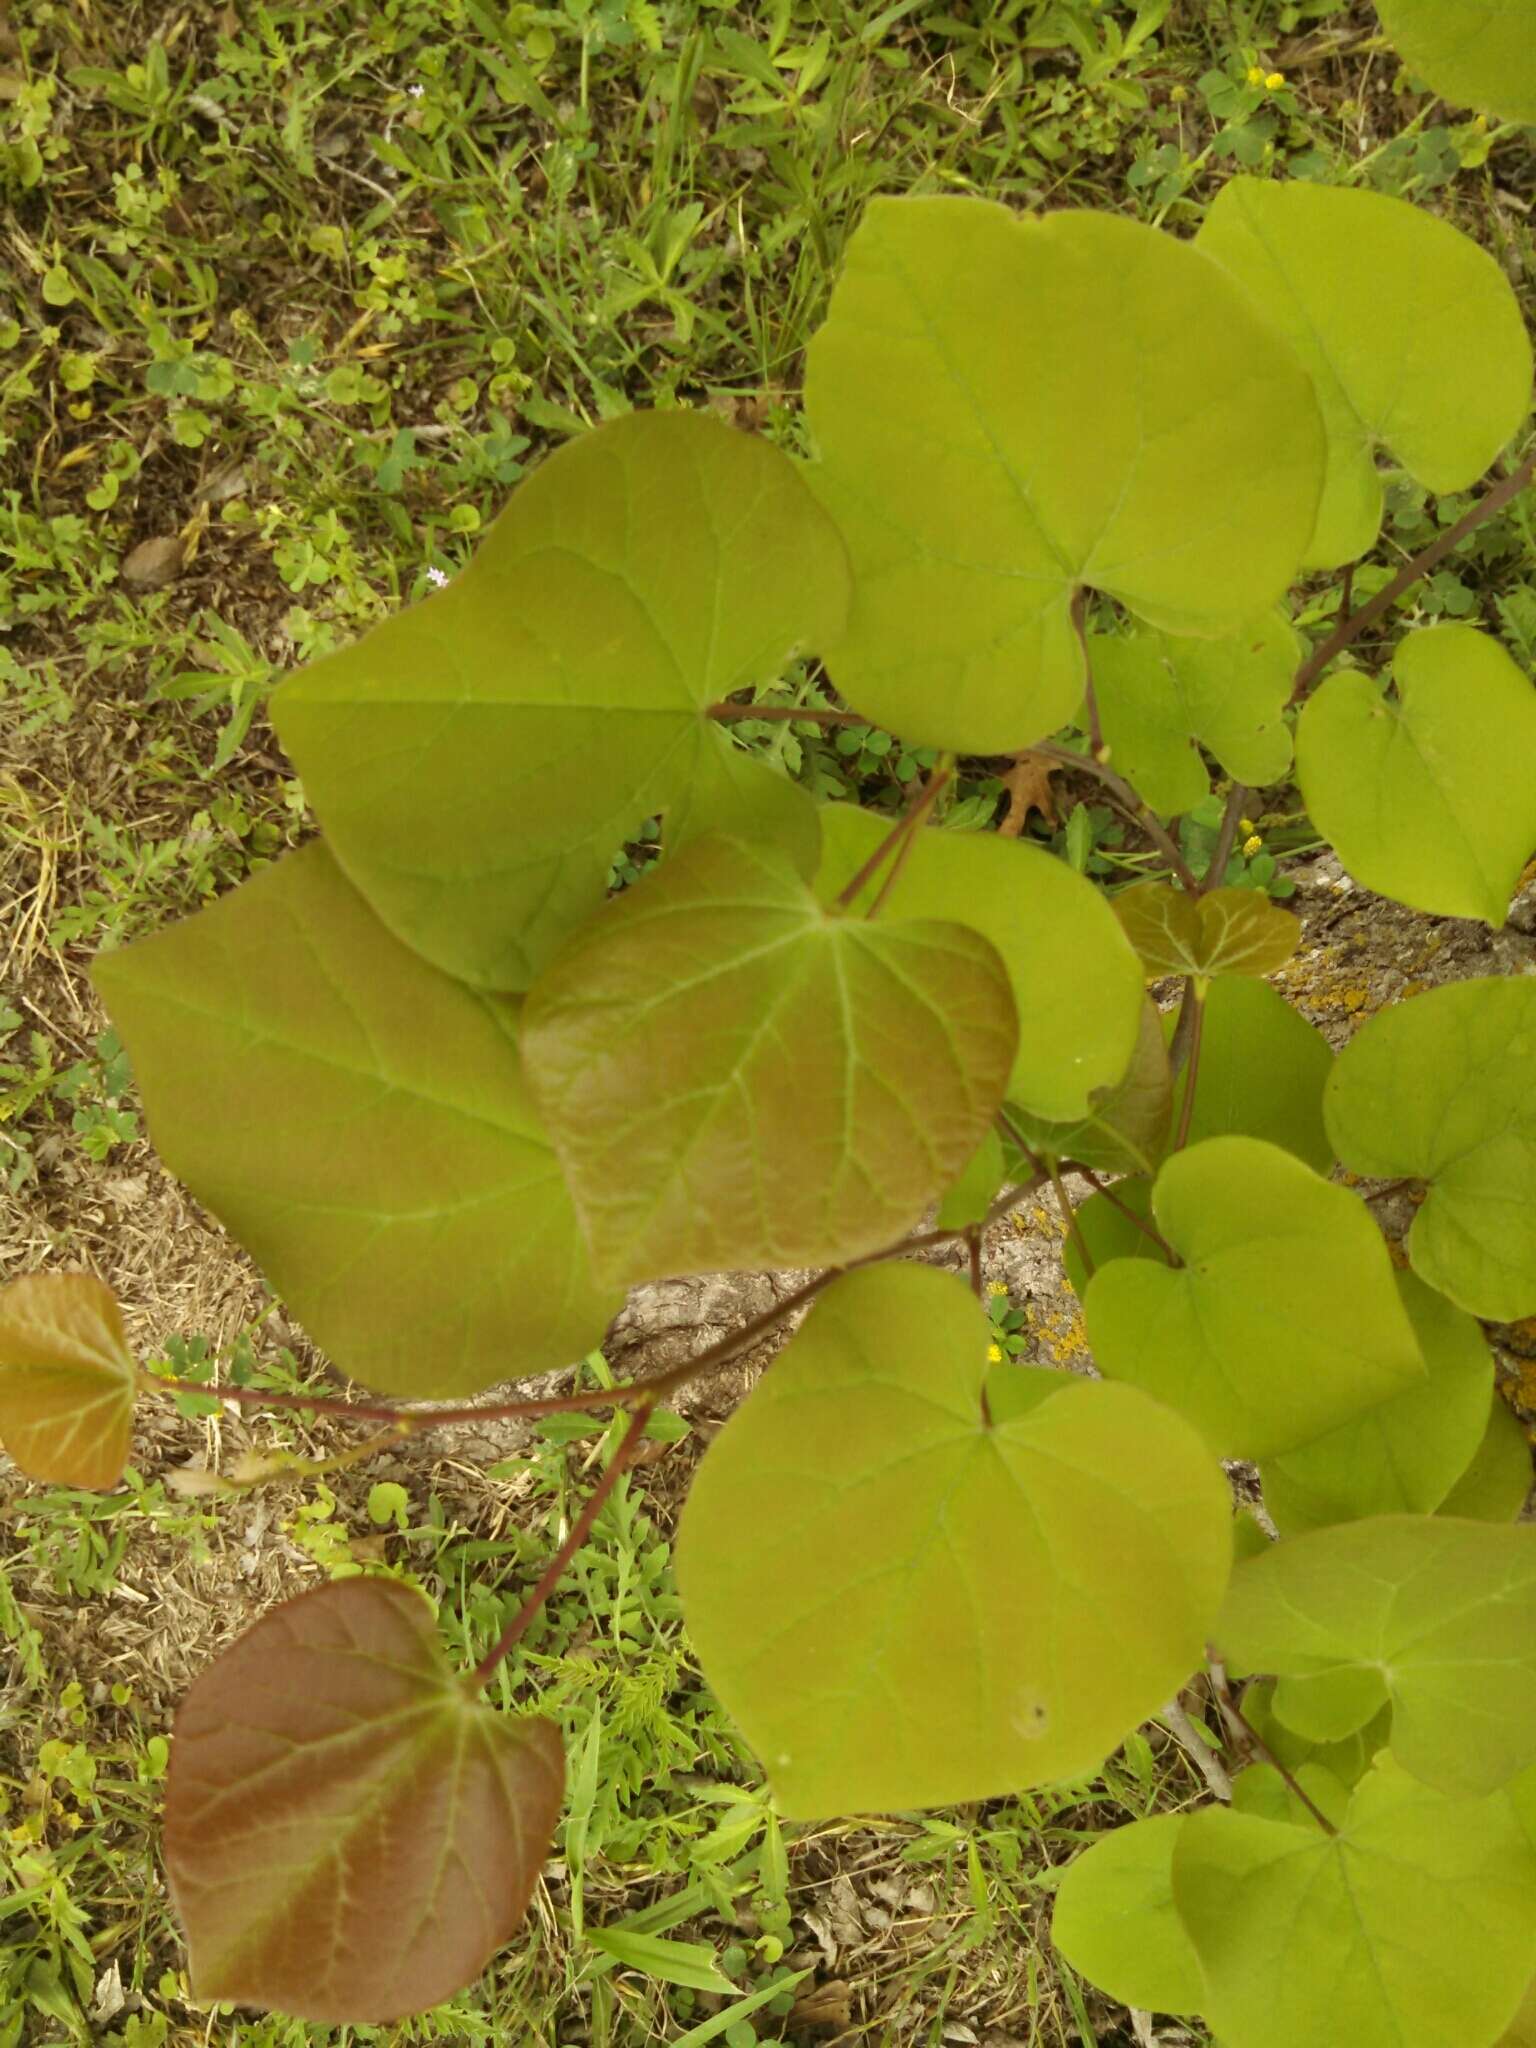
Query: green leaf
1228,931
733,791
1127,1127
1411,333
1429,797
1475,54
1442,1088
902,1607
688,1963
1404,1455
970,1197
1497,1483
478,758
1158,696
350,1835
359,1121
1283,1322
1009,408
1262,1790
1114,1919
1440,1612
1108,1231
737,1078
1262,1072
67,1380
1347,1760
1052,929
1412,1925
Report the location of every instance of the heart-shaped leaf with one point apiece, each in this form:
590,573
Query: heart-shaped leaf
350,1835
1228,931
736,1077
1429,797
1411,333
1043,1584
1283,1321
1158,696
478,759
1114,1919
1442,1088
1475,53
1413,1924
1347,1760
1497,1483
1404,1455
1052,929
1009,409
1126,1129
67,1380
1262,1071
1440,1613
376,1151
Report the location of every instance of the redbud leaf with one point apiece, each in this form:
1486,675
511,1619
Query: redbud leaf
67,1380
360,1122
1442,1087
1126,1128
1283,1321
1229,931
902,1606
1440,1612
1008,408
1392,310
350,1835
1115,1921
477,759
1262,1071
1497,1483
1470,52
736,1077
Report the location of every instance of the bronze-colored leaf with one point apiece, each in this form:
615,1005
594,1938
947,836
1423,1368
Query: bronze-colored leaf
66,1380
350,1835
1229,931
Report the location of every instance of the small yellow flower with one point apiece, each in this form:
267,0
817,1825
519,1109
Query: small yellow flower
1245,826
1252,844
1179,92
1275,80
1255,75
995,1353
997,1287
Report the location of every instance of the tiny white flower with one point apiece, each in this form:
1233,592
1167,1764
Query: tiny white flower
415,91
437,578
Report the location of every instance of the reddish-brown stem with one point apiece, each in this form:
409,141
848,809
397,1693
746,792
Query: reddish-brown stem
1102,1187
1192,994
973,1257
1226,839
1393,1187
1351,627
1135,809
813,714
1069,1218
1245,1730
579,1531
907,824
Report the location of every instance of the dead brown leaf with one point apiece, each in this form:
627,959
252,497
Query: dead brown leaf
1028,783
825,2008
154,563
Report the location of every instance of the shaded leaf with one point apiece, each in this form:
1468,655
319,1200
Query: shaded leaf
1260,1363
1429,797
1411,333
970,1197
1228,931
350,1835
477,759
1442,1087
376,1151
1109,1232
1114,1919
1497,1483
1262,1071
1441,1613
1158,695
1261,1789
1474,54
737,1078
1041,1585
1404,1455
67,1380
1347,1760
1053,931
1127,1125
1412,1925
1008,408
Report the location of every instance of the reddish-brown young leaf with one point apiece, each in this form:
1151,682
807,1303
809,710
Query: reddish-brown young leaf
66,1380
350,1835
